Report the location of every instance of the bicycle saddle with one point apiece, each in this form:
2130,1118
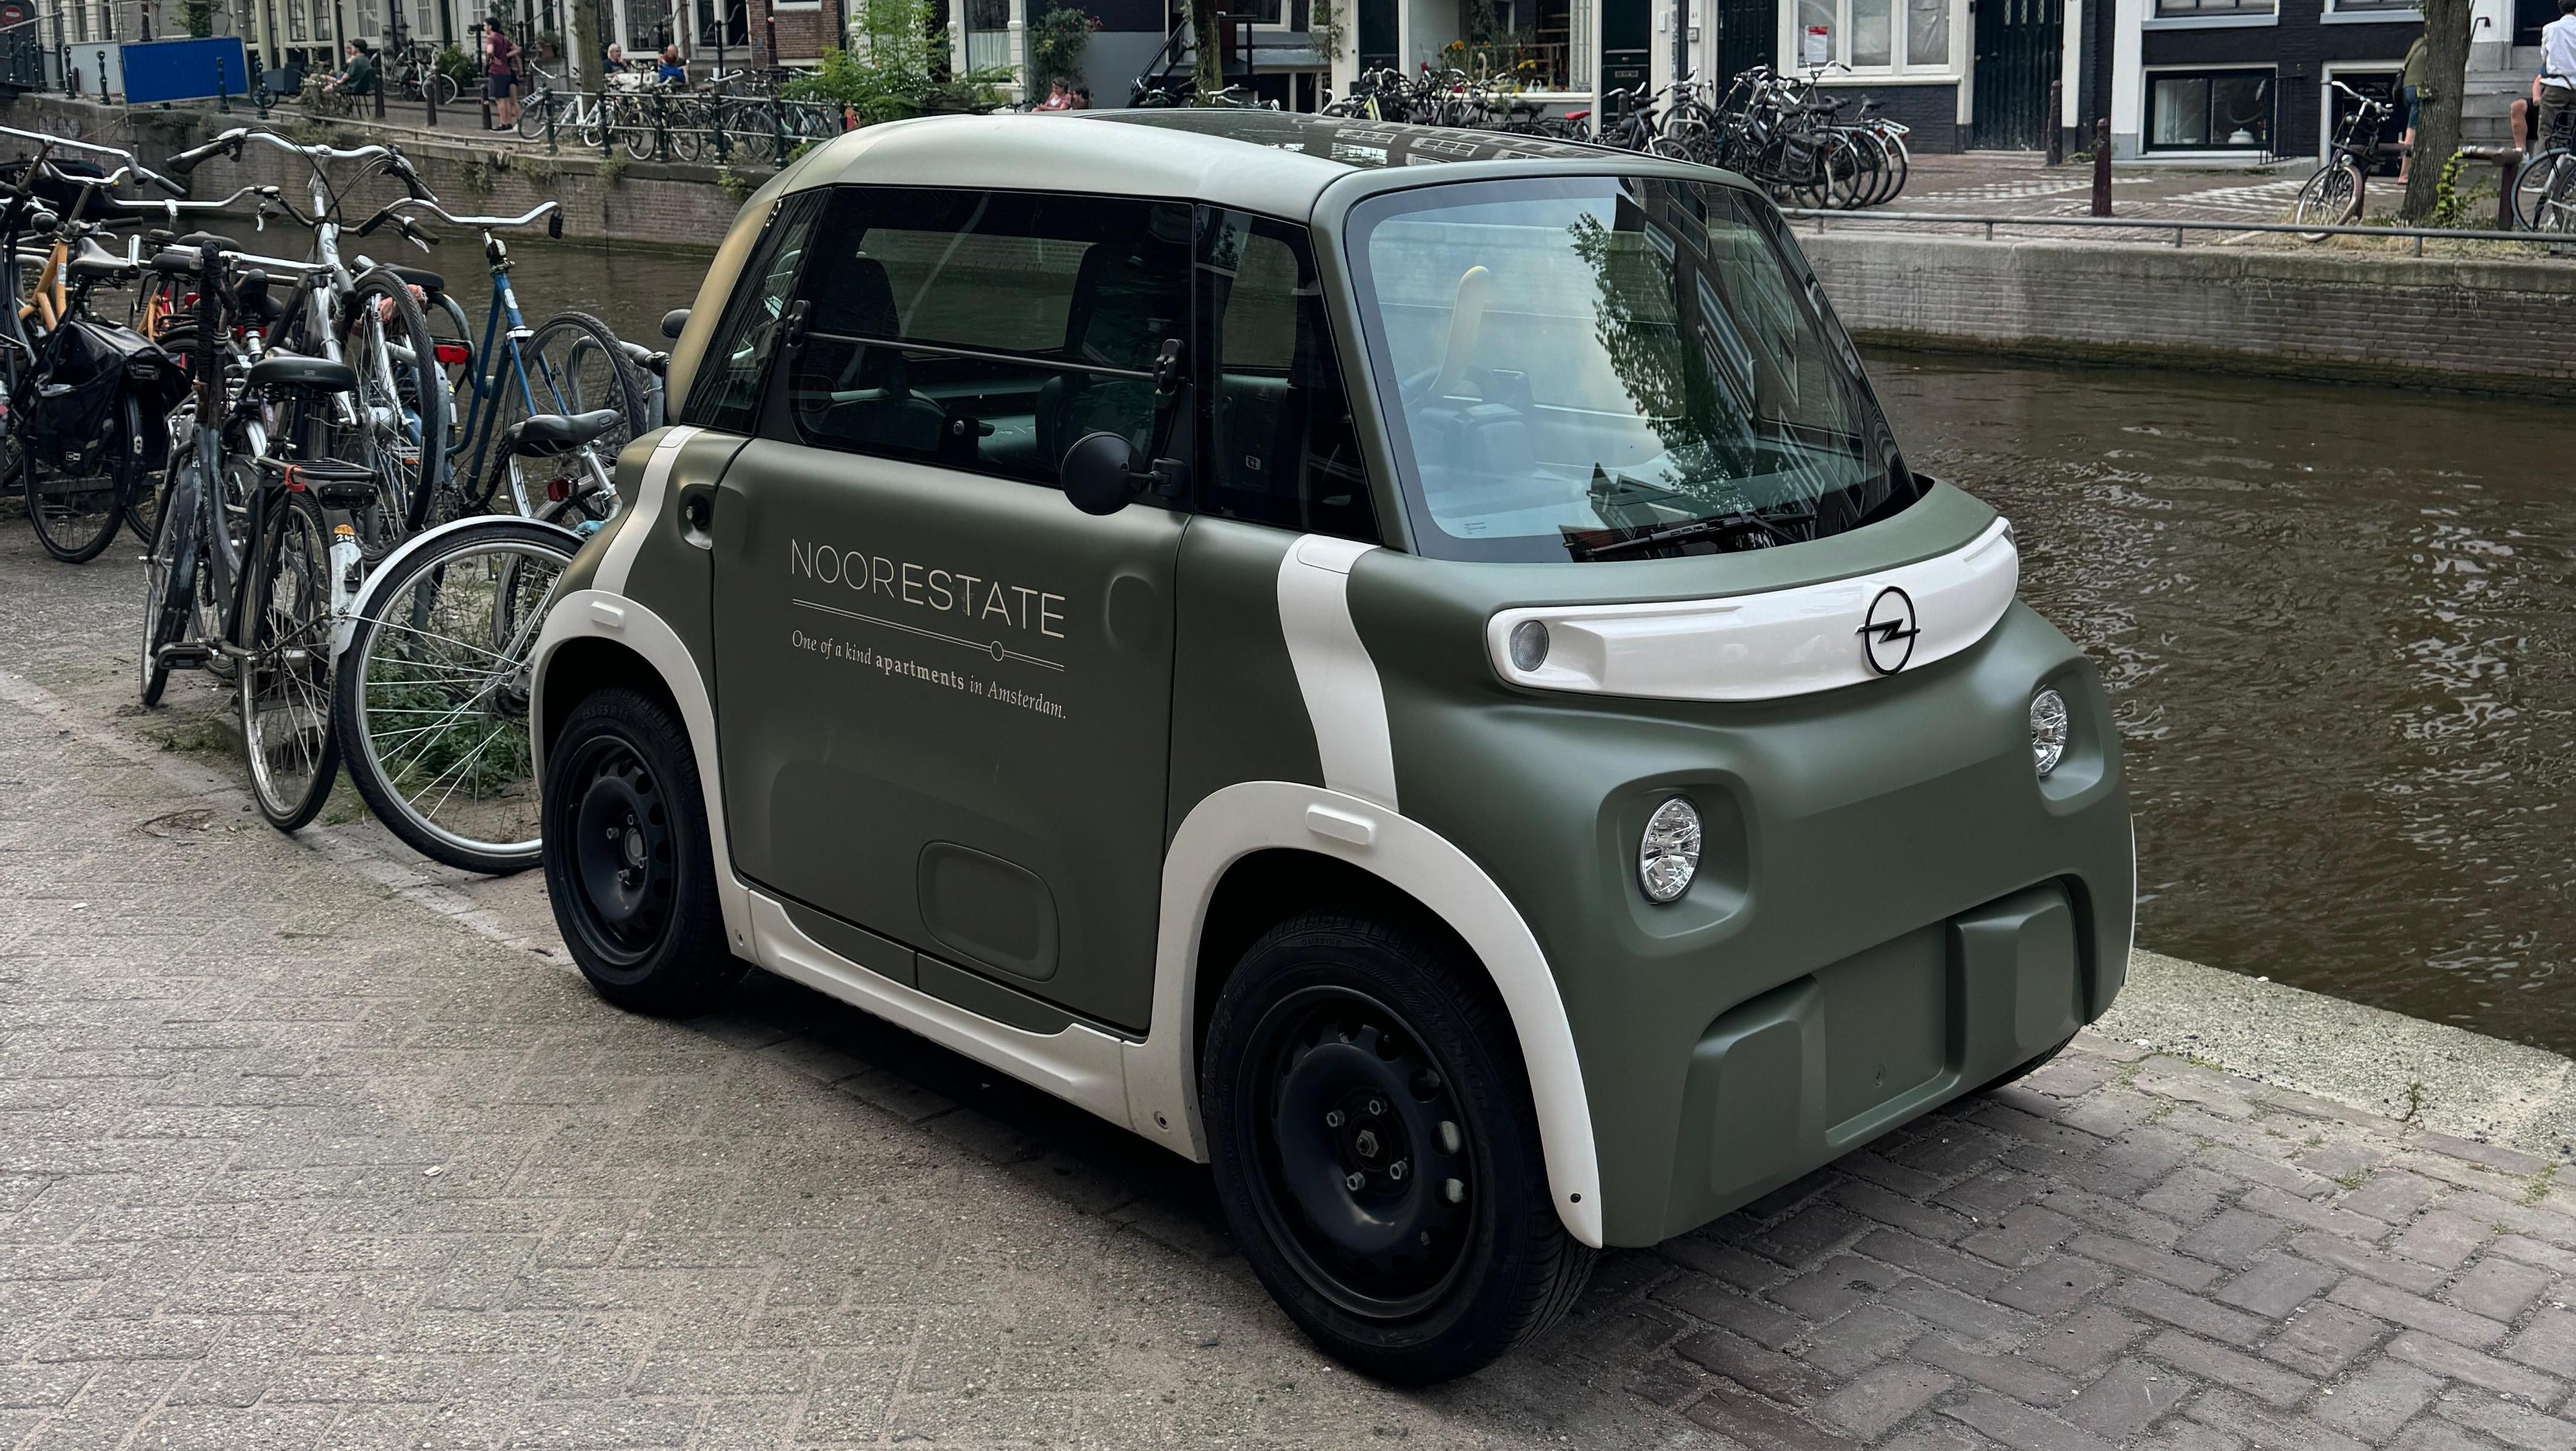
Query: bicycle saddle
94,260
428,282
195,240
548,435
292,370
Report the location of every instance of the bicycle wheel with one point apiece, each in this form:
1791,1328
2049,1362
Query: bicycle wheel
76,509
431,703
2331,198
170,581
401,403
285,677
2557,209
574,364
1848,178
1900,158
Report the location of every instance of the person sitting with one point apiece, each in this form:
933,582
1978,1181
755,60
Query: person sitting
670,71
1057,97
360,76
615,63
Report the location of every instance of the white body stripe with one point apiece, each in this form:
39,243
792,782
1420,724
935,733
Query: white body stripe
620,560
1334,672
1767,645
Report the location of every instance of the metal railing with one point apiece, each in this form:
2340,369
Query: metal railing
2180,225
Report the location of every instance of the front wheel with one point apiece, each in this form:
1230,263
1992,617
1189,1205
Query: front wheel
1377,1153
170,581
629,870
2332,198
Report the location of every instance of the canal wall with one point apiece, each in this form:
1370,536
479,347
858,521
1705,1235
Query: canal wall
2488,324
604,197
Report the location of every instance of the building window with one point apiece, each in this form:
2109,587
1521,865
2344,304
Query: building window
2401,7
2209,111
2190,9
1874,35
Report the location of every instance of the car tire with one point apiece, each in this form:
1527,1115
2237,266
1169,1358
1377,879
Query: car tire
2016,1075
1376,1149
628,866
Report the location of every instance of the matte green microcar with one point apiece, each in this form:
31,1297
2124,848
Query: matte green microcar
1404,664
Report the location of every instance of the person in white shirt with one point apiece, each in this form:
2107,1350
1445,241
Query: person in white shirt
2557,73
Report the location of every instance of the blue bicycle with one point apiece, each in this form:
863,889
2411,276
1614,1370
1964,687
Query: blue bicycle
569,365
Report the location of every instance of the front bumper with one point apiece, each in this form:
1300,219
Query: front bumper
1892,908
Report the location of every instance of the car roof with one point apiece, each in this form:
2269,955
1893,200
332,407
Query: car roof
1259,160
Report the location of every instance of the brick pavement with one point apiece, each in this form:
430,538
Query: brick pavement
296,1151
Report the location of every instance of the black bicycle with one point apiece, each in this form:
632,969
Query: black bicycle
2333,197
78,395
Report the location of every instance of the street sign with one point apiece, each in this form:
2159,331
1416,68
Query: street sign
184,70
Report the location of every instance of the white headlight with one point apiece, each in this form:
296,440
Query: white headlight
2047,730
1668,856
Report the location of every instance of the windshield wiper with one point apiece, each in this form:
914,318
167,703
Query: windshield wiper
1589,544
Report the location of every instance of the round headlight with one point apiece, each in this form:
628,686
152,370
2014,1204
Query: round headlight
1668,856
1529,645
2047,730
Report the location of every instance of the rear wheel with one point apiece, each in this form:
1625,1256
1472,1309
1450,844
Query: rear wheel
170,581
286,678
76,509
628,867
432,693
1377,1153
400,402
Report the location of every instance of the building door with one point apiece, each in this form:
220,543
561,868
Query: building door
1747,31
2018,55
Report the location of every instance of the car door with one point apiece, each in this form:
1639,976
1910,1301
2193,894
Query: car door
944,693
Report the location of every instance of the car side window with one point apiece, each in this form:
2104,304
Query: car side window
986,330
727,393
1281,445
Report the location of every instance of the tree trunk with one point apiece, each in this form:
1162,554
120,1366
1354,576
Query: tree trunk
585,36
1208,40
2437,135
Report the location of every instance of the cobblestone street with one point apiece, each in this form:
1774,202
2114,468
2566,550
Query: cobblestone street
304,1144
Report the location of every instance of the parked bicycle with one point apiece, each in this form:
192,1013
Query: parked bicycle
2333,194
2544,191
80,396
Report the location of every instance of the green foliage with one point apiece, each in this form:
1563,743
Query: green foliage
898,68
737,184
1056,46
1330,24
2450,207
440,736
199,16
464,69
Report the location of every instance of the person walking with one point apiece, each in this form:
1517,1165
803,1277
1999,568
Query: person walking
2557,75
2417,69
501,78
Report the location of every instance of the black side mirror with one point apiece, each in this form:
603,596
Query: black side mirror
1098,473
673,321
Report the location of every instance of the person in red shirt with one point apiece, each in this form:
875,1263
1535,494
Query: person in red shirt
501,78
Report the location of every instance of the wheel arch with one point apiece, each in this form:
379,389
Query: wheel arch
1218,883
594,639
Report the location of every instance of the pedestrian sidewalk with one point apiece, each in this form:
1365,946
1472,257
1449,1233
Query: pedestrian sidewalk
305,1144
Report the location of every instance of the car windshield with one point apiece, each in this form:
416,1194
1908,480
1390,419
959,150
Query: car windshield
1612,368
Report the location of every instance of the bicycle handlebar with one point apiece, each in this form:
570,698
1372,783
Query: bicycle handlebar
394,209
231,142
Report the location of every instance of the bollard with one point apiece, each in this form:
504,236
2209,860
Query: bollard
777,131
223,93
661,129
2102,167
2508,172
380,90
258,87
550,118
429,97
2056,127
717,115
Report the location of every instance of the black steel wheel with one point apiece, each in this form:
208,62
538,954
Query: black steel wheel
628,866
1376,1149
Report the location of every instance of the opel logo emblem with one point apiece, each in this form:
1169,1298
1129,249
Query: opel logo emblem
1888,631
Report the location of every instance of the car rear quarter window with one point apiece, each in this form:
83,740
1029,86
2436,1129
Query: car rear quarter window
728,390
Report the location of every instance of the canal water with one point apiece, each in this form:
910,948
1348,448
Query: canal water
2336,625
